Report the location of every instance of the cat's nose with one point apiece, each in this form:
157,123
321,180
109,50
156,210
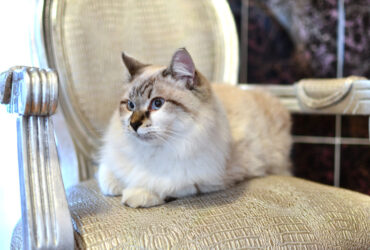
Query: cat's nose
137,118
136,125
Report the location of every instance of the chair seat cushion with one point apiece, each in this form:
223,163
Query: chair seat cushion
263,212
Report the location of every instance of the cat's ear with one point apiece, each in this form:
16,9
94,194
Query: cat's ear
133,66
182,66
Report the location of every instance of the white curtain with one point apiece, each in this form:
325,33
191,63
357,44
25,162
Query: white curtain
15,20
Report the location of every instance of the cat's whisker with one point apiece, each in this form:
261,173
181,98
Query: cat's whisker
166,131
171,135
175,133
158,130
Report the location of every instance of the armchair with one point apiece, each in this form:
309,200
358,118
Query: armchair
81,40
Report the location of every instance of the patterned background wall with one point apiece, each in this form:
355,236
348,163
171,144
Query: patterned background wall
283,41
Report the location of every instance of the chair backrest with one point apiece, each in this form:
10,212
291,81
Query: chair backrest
83,41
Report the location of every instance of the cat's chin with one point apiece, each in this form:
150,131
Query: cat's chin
146,138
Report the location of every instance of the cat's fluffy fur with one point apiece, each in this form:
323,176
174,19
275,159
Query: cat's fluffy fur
203,138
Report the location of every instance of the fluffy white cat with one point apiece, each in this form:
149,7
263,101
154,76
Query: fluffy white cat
173,135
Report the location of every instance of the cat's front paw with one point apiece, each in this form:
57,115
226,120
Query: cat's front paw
110,188
140,197
108,183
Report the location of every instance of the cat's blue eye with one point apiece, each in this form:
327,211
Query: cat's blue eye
156,103
130,105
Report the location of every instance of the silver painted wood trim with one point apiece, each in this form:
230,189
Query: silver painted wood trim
324,100
33,91
350,96
46,220
230,66
329,140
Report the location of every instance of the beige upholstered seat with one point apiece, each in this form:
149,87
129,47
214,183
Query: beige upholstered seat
266,212
270,212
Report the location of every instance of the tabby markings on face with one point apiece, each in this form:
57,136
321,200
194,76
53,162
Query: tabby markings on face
145,90
147,86
180,105
142,88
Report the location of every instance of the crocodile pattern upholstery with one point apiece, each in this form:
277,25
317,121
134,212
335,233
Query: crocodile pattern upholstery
278,212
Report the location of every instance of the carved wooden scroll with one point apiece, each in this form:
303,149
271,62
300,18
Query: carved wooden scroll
32,93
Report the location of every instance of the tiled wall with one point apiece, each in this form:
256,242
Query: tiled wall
282,41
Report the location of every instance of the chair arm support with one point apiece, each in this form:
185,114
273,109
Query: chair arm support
33,94
350,96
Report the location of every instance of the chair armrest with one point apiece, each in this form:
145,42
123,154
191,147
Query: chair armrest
349,95
32,93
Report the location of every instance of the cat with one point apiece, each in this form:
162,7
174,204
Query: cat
174,134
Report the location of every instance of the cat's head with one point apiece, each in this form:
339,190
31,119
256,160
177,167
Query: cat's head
159,103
